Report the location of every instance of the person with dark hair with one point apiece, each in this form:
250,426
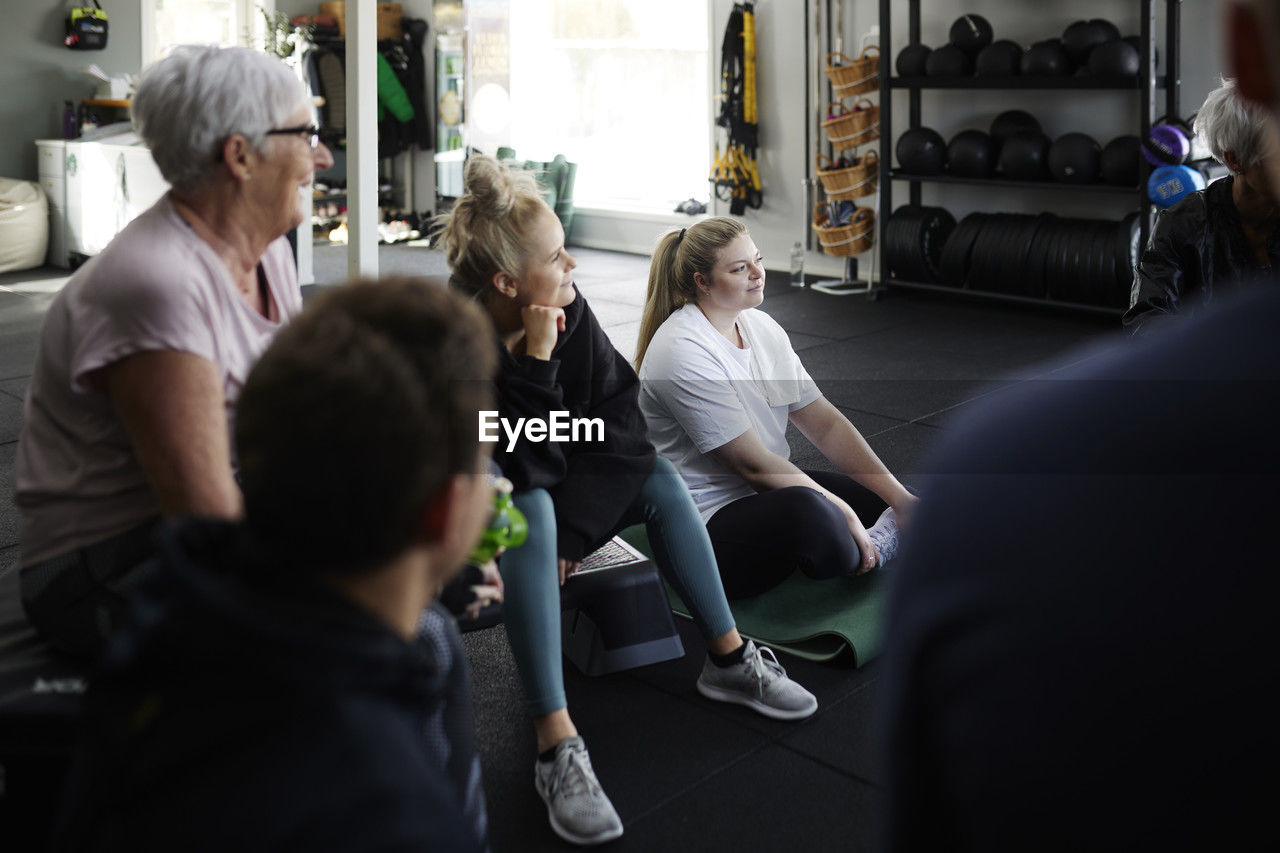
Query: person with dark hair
286,682
1221,237
1104,678
128,419
719,385
506,249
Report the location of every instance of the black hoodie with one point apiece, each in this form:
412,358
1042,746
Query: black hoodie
271,716
591,483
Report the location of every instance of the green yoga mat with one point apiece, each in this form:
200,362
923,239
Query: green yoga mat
830,620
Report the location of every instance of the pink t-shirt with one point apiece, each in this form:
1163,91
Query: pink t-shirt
158,286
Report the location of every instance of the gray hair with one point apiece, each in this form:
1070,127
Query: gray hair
188,103
1229,122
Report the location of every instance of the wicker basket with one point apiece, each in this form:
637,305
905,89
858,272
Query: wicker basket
852,182
854,76
844,241
851,128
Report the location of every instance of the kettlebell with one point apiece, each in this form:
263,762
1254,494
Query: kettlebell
1168,143
1169,184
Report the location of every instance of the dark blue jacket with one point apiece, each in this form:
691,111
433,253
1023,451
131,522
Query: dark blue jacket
240,716
1081,643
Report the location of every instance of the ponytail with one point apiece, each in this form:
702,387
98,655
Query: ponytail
678,256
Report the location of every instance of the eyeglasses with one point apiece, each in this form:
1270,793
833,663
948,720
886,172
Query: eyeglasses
309,131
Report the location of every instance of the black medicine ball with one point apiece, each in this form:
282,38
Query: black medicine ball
971,33
970,154
911,61
948,61
999,59
1108,29
921,151
1074,159
1010,122
1046,59
1024,156
1136,42
1080,38
1120,161
1114,59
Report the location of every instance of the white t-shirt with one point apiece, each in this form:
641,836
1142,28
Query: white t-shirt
699,392
157,286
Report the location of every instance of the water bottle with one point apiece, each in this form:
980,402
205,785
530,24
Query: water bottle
797,264
69,129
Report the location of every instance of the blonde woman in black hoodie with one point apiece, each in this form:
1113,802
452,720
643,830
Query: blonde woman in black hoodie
506,248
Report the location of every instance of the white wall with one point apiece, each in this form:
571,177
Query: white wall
783,75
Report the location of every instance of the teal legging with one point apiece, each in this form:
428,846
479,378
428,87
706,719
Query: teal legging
529,574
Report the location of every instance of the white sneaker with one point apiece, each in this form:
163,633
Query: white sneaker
884,536
576,805
758,682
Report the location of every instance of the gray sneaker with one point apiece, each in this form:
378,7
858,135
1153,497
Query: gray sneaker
759,682
884,535
577,806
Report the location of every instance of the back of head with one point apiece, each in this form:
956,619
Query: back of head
354,419
679,255
484,233
1227,121
188,103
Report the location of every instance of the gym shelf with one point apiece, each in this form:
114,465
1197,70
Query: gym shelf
910,89
1124,84
899,175
1005,297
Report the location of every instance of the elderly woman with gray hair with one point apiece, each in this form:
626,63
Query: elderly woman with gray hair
145,349
1219,237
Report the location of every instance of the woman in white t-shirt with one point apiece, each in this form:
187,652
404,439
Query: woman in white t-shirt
144,350
719,383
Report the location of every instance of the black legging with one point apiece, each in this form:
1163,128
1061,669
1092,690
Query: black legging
761,539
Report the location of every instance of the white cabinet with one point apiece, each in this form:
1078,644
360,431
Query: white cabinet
49,158
94,192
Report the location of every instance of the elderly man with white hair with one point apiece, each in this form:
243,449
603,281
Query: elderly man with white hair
144,351
1219,237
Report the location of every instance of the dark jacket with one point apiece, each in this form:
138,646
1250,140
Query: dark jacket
237,717
1074,688
1198,247
591,483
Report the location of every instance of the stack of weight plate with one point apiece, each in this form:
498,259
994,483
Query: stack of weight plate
913,239
1087,261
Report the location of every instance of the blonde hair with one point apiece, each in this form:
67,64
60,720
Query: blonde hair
484,233
678,256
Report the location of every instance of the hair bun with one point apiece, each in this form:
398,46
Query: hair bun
491,186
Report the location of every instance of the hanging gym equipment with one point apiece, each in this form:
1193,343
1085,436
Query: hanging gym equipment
735,174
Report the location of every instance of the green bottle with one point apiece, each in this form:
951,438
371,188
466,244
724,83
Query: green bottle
507,528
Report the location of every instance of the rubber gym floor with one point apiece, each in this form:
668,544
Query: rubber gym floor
686,773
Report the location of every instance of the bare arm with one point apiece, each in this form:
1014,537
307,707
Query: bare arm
765,471
172,406
839,441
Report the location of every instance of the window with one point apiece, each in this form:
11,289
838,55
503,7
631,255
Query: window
169,22
619,87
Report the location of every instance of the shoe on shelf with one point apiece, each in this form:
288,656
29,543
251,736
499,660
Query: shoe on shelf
576,804
759,682
884,535
692,207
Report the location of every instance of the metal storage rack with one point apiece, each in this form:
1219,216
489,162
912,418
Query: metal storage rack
1146,83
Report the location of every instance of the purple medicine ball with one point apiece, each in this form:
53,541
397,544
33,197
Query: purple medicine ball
1166,145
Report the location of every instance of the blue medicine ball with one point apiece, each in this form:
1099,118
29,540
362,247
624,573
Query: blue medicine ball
1168,185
